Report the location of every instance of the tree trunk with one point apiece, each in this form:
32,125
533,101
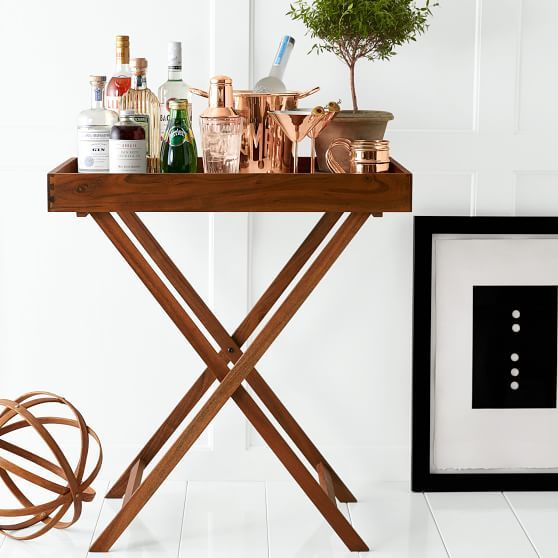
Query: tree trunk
353,90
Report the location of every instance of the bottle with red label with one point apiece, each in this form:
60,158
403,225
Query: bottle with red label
121,80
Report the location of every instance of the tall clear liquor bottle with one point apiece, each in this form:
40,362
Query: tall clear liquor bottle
174,87
145,103
120,82
273,83
94,127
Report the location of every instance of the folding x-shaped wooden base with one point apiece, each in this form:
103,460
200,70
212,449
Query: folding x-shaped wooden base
323,491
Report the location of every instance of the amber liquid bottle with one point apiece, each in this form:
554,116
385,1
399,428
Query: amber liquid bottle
121,80
141,99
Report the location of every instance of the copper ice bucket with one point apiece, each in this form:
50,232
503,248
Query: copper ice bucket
264,147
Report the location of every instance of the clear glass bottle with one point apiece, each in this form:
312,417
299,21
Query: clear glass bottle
174,87
94,127
144,102
121,80
221,129
178,148
273,83
127,145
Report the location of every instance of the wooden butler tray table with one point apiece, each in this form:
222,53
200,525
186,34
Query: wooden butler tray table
360,195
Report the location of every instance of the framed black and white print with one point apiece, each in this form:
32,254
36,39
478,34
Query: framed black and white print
485,346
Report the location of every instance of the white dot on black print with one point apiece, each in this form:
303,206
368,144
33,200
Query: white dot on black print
514,385
516,314
515,328
514,357
514,371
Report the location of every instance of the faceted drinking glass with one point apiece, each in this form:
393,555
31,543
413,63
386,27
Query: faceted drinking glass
220,138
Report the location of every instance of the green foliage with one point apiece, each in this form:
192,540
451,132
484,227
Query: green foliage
355,29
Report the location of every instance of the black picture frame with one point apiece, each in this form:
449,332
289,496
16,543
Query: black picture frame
422,478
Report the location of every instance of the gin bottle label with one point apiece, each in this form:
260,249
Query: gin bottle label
93,149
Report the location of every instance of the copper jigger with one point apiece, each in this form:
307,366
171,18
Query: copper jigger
366,156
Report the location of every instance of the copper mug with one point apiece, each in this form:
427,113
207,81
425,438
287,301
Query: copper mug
365,156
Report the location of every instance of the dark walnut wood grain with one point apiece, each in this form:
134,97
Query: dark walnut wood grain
91,193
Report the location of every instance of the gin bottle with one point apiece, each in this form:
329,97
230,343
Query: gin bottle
174,87
273,83
120,82
145,103
94,127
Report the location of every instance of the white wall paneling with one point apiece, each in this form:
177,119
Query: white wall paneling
536,193
474,120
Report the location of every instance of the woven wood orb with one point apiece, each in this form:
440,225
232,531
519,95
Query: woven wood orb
65,487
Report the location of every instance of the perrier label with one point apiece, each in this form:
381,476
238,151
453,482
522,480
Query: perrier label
178,149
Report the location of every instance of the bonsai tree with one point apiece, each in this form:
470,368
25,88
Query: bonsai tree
355,29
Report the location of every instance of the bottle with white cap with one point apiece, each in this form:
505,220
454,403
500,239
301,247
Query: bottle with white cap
174,87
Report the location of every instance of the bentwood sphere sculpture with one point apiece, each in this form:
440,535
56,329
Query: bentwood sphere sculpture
65,486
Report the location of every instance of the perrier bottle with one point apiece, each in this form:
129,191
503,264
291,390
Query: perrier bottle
178,149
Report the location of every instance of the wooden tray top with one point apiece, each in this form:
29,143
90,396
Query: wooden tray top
88,193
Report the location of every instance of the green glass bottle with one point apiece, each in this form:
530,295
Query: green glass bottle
178,149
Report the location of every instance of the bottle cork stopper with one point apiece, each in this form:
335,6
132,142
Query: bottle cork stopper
138,63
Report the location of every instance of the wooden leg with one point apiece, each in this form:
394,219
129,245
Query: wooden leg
231,345
239,337
134,479
165,431
232,379
326,482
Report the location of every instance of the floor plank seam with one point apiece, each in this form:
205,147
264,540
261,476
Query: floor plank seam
106,486
433,516
523,528
267,526
183,518
359,554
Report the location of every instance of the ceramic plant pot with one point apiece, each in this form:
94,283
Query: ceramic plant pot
359,125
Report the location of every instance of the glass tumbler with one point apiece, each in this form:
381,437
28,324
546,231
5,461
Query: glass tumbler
220,139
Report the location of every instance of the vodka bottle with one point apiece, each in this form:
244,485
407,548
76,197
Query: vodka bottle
273,83
120,82
94,127
174,87
145,103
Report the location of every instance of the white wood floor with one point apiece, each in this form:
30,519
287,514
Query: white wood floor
275,520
